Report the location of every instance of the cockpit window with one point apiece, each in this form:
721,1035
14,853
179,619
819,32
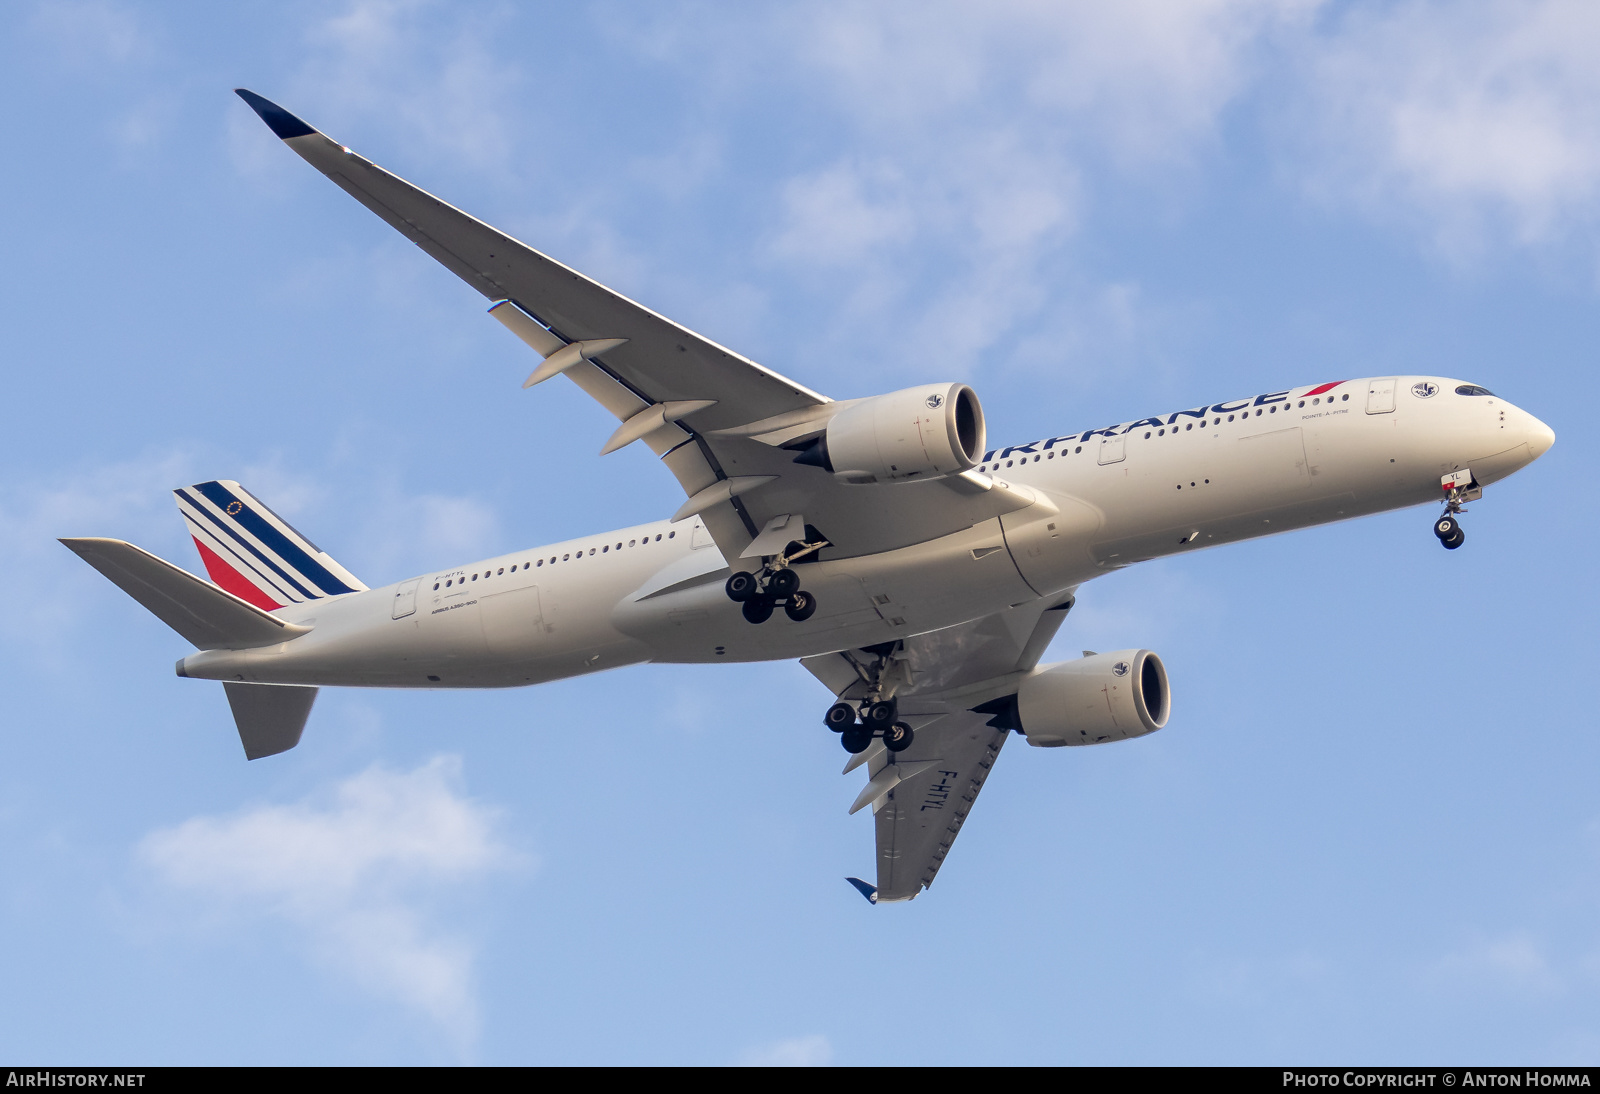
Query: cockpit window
1473,389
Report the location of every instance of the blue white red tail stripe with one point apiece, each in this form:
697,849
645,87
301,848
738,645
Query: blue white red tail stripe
255,554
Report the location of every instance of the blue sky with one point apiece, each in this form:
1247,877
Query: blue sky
1370,831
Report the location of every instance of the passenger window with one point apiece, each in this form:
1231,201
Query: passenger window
670,535
1302,402
435,586
604,549
502,570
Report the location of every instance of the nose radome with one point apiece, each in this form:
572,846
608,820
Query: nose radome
1540,437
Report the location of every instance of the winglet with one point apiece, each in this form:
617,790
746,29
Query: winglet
868,891
279,120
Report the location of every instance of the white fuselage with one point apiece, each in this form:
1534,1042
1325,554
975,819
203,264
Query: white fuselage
1105,499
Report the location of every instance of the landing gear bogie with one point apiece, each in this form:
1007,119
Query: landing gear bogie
873,712
775,584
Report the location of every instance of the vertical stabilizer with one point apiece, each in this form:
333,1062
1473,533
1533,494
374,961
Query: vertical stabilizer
255,554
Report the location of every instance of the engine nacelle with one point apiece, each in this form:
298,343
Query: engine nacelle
906,436
1103,697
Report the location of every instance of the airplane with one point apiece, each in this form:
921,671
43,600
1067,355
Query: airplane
920,573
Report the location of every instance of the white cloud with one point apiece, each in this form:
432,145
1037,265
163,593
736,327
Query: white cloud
945,241
1147,79
1476,119
356,871
93,33
128,500
1512,962
440,79
812,1051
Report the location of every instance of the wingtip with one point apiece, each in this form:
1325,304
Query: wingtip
282,123
868,891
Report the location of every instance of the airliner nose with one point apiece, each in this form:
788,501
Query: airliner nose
1540,437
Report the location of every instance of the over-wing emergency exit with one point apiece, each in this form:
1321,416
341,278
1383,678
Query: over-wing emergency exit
917,572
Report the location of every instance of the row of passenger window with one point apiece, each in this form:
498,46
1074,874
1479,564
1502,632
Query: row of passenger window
1243,415
573,556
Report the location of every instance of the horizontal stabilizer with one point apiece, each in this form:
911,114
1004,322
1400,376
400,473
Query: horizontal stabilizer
204,614
270,716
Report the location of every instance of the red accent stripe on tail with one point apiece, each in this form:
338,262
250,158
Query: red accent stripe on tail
233,581
1320,390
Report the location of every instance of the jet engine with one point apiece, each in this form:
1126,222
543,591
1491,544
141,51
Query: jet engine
1102,697
906,436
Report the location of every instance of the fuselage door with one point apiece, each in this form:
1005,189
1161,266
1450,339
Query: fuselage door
1113,449
1380,396
405,599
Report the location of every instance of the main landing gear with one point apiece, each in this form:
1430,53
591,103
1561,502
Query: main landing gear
759,594
875,715
1458,487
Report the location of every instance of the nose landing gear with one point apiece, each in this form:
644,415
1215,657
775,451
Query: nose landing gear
1459,487
775,583
876,715
1449,531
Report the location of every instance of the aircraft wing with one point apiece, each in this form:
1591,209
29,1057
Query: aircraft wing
922,796
713,416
